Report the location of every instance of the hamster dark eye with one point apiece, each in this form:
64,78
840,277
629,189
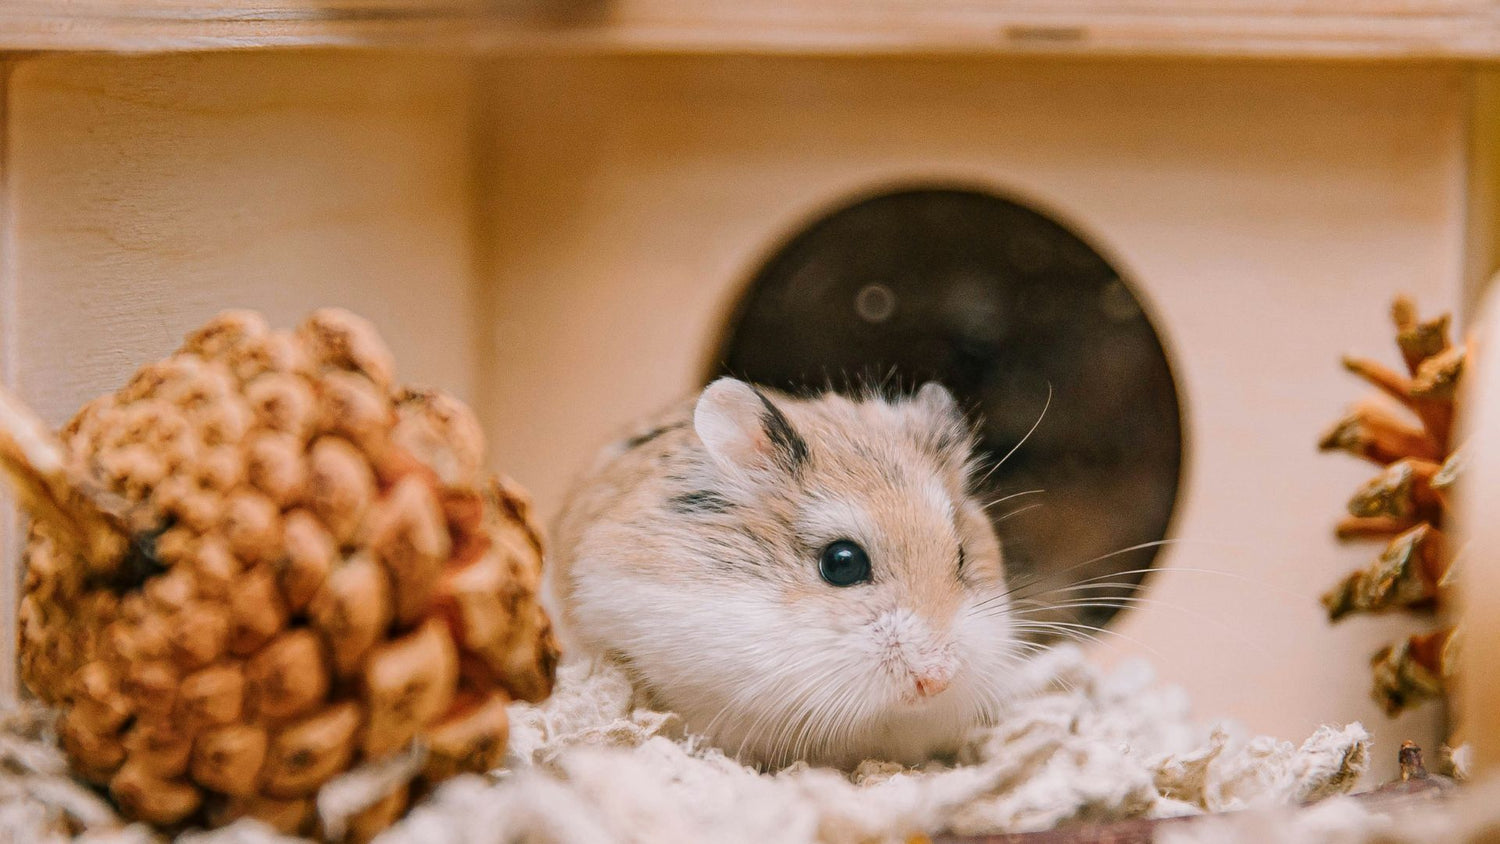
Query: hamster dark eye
844,563
960,559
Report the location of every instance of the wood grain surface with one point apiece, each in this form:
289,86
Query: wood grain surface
1409,29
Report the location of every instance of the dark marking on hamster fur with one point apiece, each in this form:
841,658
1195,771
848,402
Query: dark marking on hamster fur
699,502
641,439
791,449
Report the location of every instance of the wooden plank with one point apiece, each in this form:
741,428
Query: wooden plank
148,193
1410,29
1482,176
164,25
1479,537
1328,29
10,522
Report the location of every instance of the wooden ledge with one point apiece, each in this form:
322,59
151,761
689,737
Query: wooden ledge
1410,30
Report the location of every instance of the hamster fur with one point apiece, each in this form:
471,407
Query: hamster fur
691,552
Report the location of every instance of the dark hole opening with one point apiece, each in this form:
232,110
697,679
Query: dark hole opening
997,302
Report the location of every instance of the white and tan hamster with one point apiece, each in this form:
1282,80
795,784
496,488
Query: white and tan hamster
798,578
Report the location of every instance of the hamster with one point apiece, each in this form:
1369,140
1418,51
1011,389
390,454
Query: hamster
800,579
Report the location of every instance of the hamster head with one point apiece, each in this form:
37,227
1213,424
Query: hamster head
811,579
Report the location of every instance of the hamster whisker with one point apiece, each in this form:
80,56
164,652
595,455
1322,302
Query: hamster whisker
769,761
736,700
780,715
1106,602
853,711
1123,585
1018,512
1286,593
790,713
1023,651
1004,498
1122,602
1040,577
804,731
1117,602
1043,576
798,731
1060,626
1107,584
841,716
814,730
848,714
1073,633
1017,446
845,716
770,687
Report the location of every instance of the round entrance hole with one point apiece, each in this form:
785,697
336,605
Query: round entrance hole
1003,305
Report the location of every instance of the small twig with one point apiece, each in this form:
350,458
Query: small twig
36,463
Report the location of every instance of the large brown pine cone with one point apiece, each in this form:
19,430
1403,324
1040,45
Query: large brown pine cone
302,568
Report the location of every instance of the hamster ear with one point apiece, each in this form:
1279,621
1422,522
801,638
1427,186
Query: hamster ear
944,423
935,399
743,430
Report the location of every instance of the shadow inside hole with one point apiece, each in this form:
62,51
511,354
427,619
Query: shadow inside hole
997,302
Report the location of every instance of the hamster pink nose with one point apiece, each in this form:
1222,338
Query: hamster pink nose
932,684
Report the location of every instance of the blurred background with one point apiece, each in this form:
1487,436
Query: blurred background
1171,218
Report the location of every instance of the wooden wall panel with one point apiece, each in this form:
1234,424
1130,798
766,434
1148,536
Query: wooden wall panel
10,524
1482,209
145,194
1267,212
149,193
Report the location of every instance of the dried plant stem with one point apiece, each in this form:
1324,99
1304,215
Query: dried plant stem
35,462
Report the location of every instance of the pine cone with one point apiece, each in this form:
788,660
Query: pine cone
261,564
1405,504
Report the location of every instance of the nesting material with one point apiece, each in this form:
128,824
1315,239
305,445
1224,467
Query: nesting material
1092,746
263,563
595,763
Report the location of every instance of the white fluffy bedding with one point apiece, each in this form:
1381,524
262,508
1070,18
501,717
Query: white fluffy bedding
591,764
588,765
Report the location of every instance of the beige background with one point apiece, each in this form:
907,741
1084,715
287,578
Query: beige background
555,237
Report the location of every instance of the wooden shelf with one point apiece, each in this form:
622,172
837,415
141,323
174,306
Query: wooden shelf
1449,29
179,25
1315,29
